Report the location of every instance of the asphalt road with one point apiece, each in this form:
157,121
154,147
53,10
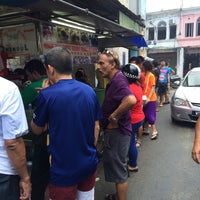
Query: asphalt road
166,169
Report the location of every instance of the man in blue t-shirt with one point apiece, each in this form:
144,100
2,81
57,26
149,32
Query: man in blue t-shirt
163,81
72,112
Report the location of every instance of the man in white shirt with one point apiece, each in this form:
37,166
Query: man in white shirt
14,177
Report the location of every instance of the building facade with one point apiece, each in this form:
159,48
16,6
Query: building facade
173,35
189,38
161,33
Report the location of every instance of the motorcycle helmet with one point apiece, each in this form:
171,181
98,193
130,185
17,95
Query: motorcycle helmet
132,72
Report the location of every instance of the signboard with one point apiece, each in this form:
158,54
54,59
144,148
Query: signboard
61,34
80,43
19,41
127,22
81,54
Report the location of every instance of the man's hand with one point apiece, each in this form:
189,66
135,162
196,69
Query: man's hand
96,132
15,149
146,101
196,146
196,153
25,188
113,122
46,83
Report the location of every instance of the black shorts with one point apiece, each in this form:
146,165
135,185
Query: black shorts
9,187
162,88
116,147
40,173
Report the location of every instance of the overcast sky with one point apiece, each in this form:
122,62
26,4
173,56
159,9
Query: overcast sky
157,5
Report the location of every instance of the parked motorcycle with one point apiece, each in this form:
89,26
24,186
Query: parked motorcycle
175,81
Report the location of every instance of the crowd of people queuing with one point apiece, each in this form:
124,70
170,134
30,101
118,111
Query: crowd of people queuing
66,122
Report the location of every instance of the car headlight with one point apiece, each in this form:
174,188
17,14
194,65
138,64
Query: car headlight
180,102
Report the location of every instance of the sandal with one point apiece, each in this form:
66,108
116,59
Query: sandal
138,144
154,135
133,169
110,197
145,133
167,102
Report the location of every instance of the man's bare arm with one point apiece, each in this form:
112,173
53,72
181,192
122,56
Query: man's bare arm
96,132
16,152
196,146
37,130
124,107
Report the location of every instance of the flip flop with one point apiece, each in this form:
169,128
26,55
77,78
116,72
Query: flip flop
138,144
167,102
133,169
154,135
110,197
145,133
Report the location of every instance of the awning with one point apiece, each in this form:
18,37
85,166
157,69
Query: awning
46,10
139,41
119,41
17,3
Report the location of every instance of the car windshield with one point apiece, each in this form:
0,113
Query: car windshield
192,79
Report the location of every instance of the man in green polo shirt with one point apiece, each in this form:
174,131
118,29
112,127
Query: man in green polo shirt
36,73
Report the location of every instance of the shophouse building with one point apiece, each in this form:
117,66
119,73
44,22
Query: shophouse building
162,30
189,38
173,35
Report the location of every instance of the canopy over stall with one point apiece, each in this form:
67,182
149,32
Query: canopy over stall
101,17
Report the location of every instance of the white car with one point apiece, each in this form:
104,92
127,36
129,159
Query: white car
185,102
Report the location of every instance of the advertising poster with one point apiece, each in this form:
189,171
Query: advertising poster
20,40
80,43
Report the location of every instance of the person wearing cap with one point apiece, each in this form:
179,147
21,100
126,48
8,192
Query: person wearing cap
132,73
116,123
